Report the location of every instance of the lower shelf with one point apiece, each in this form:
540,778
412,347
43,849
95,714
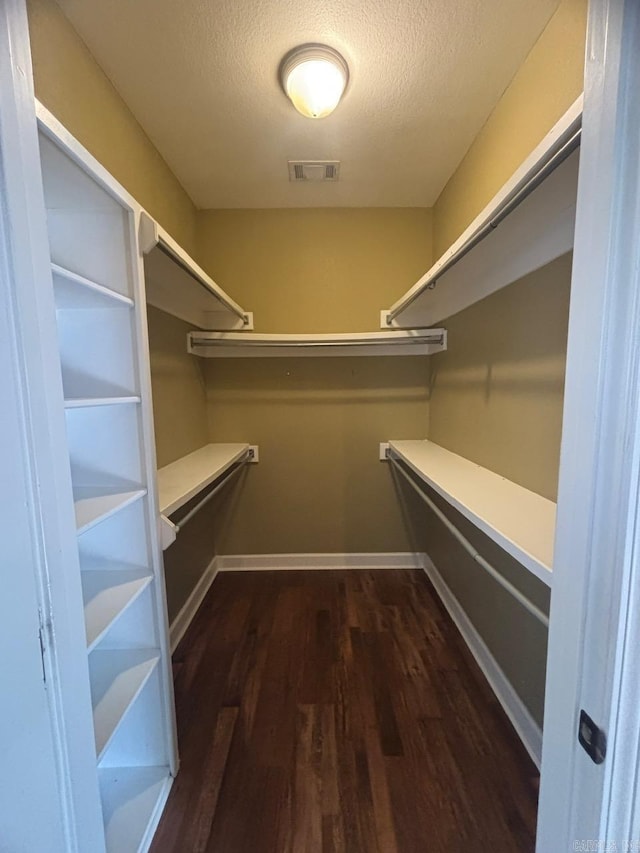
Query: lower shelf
132,802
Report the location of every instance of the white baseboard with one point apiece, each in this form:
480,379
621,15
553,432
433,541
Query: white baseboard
526,727
188,610
291,562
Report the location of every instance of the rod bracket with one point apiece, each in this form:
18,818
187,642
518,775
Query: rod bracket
168,532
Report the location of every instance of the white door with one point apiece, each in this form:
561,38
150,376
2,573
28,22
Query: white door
594,639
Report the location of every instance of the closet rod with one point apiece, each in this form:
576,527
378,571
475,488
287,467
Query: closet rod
530,182
509,587
229,304
230,474
221,339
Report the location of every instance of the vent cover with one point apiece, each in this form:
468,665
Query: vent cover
313,170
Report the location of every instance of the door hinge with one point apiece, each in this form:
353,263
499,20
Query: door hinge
592,738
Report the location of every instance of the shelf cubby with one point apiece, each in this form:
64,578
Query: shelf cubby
138,740
132,799
117,678
104,446
108,593
88,228
118,540
96,353
135,627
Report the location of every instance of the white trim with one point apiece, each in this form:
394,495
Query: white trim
323,562
526,727
190,607
592,653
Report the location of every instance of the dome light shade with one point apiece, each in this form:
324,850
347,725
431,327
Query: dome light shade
314,77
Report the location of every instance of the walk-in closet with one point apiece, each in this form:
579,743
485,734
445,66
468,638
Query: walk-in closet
319,426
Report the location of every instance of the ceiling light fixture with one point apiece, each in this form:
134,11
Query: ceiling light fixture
314,77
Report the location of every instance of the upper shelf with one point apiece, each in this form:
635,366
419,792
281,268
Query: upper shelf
527,224
520,521
183,479
177,285
242,345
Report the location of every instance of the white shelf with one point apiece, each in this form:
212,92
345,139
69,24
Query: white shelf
107,593
132,802
87,402
93,505
117,677
250,345
183,479
177,285
520,521
539,230
75,292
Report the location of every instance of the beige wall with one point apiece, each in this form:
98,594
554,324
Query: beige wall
497,392
319,486
70,83
177,384
546,85
329,270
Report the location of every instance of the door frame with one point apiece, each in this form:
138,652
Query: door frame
31,435
594,633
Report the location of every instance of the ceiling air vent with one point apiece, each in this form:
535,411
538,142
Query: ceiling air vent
314,170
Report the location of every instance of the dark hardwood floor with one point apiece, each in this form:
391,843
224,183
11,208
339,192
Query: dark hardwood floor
339,711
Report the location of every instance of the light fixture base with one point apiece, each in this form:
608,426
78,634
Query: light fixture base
311,95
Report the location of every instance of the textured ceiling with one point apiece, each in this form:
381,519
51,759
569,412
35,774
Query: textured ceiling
201,77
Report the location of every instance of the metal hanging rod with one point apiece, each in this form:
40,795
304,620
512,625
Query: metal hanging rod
566,145
229,475
480,560
248,339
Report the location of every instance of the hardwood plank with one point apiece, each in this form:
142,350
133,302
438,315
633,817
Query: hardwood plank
339,712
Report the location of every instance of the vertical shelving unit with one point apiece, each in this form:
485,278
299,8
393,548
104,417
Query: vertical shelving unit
96,268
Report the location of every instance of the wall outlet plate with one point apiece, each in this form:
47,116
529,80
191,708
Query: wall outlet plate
254,453
384,451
